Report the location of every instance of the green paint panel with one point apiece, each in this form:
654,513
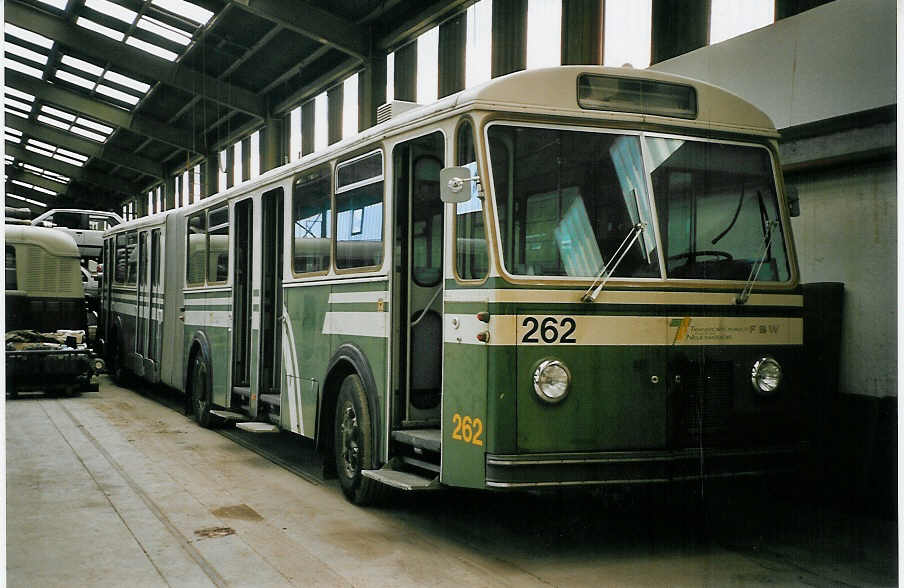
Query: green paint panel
612,403
465,394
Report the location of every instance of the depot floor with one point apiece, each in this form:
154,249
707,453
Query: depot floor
116,488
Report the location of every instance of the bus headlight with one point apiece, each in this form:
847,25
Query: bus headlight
766,375
551,381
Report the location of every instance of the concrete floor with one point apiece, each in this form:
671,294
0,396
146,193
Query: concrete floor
114,488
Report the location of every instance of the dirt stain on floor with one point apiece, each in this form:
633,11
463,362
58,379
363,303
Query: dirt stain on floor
212,532
239,511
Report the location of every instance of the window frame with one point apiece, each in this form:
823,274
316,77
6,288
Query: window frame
338,191
210,211
475,137
188,251
332,239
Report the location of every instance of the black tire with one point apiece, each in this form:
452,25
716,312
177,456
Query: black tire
118,372
353,445
199,380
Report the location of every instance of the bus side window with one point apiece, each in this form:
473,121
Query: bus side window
196,251
11,281
121,258
359,212
218,245
311,222
132,258
470,232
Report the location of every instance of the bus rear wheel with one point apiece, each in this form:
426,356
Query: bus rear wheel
353,445
200,392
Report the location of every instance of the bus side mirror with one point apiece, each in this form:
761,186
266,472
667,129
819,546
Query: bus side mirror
793,197
457,184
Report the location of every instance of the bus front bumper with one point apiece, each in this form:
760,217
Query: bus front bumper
636,467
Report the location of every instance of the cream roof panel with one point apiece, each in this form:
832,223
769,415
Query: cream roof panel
53,241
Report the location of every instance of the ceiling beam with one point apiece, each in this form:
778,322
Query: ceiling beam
85,147
134,61
117,117
72,171
316,85
435,14
315,23
17,173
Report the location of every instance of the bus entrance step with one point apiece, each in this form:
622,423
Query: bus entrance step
228,415
429,439
402,480
253,427
271,399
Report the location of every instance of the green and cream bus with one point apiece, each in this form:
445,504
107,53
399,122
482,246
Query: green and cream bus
567,276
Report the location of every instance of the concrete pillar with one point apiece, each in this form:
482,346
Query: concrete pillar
582,32
246,158
307,127
679,26
405,73
190,189
371,91
453,39
209,174
509,37
334,113
169,192
273,145
231,180
141,206
786,8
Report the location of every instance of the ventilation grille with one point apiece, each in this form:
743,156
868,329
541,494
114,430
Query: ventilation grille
393,109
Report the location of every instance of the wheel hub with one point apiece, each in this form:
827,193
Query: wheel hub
349,447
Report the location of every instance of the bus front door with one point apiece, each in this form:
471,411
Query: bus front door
271,307
242,306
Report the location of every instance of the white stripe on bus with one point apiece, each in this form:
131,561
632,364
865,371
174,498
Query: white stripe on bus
363,324
558,330
619,297
208,301
353,297
208,318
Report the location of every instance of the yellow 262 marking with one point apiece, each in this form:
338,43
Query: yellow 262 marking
467,429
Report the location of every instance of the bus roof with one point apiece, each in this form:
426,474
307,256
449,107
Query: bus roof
54,241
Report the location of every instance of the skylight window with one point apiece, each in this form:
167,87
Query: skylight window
110,9
94,125
186,9
12,131
127,81
18,94
13,103
48,120
74,124
57,153
28,200
13,138
46,173
88,134
99,28
57,112
22,68
74,79
82,65
24,53
151,48
58,4
33,187
34,149
164,30
26,35
118,95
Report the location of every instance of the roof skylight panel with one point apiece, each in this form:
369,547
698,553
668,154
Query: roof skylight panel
152,49
88,134
34,149
185,9
49,120
22,68
74,79
164,30
12,138
25,53
42,144
126,81
72,154
28,36
99,28
58,113
117,11
81,65
18,94
13,103
94,125
58,4
28,200
12,131
117,94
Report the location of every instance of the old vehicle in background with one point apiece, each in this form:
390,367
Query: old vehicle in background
86,226
47,346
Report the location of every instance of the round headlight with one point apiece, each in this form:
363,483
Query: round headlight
98,364
551,381
766,375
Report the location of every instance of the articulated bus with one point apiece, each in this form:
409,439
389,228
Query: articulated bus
568,276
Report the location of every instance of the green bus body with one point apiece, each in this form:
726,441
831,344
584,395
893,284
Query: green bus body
264,299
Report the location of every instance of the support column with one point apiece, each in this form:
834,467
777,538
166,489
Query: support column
273,146
209,174
509,37
582,32
307,127
190,194
334,113
405,73
169,192
678,27
371,91
141,205
786,8
231,180
453,39
246,158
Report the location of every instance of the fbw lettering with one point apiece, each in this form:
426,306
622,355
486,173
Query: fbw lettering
765,329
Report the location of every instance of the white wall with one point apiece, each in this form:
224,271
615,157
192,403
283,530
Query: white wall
835,59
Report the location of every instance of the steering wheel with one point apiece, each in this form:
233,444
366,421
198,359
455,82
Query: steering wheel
704,252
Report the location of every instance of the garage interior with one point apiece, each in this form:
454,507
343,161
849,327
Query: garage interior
143,106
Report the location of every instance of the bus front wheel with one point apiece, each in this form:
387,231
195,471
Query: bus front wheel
353,445
200,392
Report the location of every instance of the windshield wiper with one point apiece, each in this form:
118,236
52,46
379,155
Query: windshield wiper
609,268
755,270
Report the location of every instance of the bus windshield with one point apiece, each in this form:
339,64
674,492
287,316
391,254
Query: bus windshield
566,199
